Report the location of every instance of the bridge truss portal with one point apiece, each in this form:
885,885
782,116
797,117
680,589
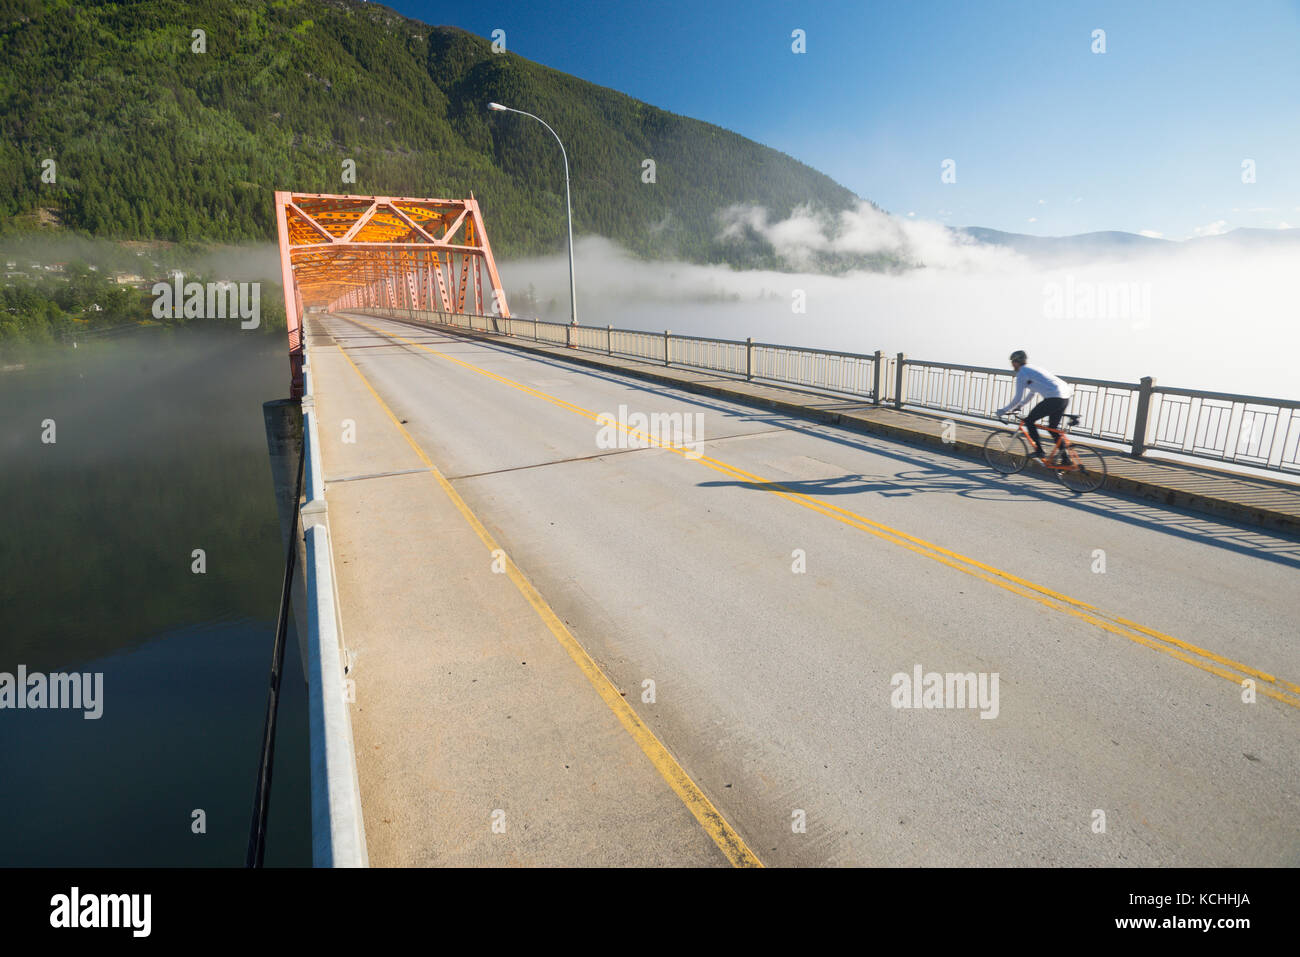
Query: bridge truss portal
354,252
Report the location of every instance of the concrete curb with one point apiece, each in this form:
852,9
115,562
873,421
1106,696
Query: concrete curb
852,414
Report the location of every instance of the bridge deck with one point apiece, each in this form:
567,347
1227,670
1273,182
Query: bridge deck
1120,633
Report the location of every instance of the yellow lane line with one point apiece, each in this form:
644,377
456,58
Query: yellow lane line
715,825
1073,604
1273,687
1044,596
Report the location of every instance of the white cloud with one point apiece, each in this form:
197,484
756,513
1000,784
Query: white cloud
1216,228
1042,202
1032,219
863,231
1151,233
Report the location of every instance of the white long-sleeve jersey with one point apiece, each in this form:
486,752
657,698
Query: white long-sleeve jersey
1030,380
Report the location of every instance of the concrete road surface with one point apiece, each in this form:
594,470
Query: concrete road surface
773,583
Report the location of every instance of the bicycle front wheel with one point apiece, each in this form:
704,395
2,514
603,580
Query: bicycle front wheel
1006,452
1087,469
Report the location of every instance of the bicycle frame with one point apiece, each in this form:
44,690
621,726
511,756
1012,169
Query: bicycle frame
1062,443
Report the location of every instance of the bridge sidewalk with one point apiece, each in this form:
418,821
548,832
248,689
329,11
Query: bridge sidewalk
1246,499
466,704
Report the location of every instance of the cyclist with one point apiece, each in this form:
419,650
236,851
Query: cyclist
1056,395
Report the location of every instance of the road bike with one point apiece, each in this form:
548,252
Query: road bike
1080,469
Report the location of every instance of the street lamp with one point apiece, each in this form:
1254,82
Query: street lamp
568,205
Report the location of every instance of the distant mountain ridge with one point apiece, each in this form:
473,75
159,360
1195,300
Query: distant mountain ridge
1115,243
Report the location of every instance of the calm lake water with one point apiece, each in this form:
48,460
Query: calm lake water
159,450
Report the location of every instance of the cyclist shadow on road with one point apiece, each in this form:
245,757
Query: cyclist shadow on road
899,485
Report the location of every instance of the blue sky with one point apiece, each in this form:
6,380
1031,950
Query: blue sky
1047,136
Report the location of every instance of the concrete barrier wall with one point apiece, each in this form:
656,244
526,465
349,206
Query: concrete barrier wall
338,828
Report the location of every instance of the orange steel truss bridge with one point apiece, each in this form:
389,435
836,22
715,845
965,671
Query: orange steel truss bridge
353,252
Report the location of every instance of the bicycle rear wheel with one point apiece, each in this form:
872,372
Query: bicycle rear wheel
1006,452
1087,469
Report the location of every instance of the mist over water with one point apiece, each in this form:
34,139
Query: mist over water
1215,317
159,450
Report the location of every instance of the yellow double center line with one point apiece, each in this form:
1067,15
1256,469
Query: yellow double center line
1238,673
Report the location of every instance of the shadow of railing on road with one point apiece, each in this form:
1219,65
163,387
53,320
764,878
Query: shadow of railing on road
1016,492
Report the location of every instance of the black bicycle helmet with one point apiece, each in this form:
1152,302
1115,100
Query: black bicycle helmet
1019,356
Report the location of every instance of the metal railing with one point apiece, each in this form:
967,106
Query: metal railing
1240,429
1106,410
1246,430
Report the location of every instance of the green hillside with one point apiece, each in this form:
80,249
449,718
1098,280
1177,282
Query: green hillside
153,140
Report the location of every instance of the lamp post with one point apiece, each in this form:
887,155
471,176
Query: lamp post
568,205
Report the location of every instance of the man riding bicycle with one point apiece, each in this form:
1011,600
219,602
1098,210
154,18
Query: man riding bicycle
1056,395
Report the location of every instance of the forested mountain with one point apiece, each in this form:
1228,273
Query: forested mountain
152,139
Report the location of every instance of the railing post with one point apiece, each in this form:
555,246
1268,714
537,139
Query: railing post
900,381
879,377
534,328
609,340
749,357
1143,411
666,352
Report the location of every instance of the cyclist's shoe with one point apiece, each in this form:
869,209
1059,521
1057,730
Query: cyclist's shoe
1038,454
